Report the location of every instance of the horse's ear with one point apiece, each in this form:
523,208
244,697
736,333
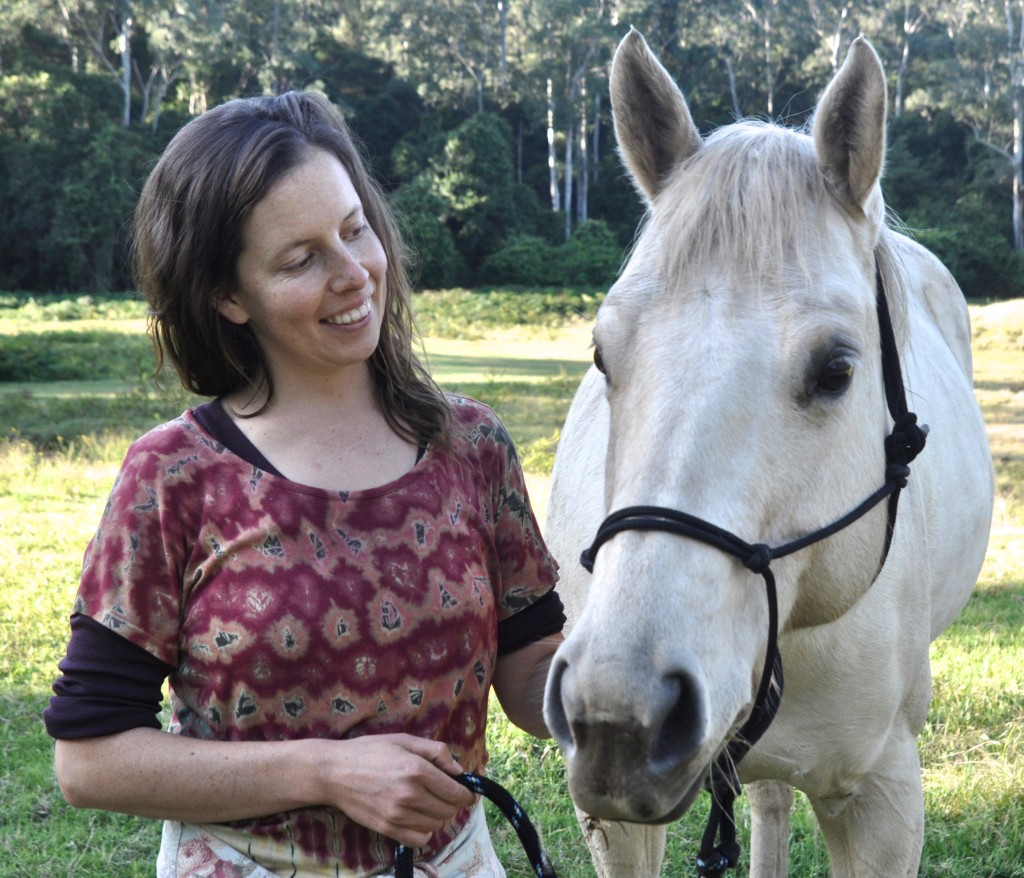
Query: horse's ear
653,125
849,127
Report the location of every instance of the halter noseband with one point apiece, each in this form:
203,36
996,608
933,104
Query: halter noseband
902,445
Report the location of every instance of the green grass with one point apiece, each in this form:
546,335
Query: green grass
64,441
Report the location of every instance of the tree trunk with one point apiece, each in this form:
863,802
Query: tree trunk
503,36
552,161
570,146
734,97
1015,34
124,45
581,211
1018,172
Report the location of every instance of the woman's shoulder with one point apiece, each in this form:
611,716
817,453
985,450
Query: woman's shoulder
479,433
180,438
470,414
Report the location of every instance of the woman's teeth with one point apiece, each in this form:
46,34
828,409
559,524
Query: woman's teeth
353,316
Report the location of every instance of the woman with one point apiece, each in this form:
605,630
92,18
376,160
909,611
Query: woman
332,561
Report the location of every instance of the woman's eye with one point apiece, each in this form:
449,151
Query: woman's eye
299,264
836,376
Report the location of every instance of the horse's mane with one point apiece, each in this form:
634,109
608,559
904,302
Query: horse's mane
750,205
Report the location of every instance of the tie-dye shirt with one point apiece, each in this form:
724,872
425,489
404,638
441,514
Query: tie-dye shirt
294,612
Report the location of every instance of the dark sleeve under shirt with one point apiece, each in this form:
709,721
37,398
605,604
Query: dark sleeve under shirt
110,685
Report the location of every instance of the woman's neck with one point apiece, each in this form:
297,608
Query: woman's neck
330,435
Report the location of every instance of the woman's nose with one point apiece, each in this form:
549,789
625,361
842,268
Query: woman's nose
346,271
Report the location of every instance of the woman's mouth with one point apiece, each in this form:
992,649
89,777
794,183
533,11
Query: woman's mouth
349,317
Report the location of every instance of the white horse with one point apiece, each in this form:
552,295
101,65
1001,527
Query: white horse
738,379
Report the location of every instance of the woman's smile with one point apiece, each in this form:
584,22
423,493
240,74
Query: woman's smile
347,318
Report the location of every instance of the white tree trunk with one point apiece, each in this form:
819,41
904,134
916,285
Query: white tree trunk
570,146
552,161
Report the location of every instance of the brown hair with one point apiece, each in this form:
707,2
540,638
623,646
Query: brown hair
188,237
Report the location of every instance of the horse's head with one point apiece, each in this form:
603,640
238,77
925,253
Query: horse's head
740,356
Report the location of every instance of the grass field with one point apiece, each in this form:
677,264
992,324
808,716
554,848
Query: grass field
61,440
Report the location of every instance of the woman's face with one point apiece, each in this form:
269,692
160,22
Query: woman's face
311,275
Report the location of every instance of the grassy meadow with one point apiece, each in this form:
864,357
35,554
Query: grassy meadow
74,391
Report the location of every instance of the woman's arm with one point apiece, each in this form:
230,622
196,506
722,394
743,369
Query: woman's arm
519,681
398,785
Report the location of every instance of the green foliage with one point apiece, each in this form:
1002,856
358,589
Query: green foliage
67,186
71,356
25,308
465,314
451,99
437,262
526,260
590,258
473,177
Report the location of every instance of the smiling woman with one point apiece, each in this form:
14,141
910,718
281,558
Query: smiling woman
332,561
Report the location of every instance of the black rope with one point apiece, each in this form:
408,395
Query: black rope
719,849
529,838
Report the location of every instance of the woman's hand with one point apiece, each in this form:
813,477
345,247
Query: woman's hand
398,785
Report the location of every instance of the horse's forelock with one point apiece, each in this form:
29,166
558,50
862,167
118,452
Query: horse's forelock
751,203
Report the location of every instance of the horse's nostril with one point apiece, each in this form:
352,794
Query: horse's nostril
554,710
682,730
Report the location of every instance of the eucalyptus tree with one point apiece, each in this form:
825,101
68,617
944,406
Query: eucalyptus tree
984,88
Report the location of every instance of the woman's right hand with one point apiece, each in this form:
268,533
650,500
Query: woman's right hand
398,785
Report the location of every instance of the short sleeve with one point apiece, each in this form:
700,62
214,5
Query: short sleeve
527,569
133,568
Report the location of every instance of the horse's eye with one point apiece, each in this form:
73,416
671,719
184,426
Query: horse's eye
598,361
836,376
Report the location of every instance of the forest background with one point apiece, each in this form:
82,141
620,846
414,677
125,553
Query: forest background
488,120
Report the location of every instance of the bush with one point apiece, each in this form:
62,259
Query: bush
526,261
436,262
591,257
74,356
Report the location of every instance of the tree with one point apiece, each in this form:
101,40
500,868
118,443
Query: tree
985,88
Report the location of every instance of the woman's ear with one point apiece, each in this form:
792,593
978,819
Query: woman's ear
228,306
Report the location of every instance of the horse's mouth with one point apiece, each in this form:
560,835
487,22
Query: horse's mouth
684,803
637,801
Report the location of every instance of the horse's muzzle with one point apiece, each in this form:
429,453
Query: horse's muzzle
632,753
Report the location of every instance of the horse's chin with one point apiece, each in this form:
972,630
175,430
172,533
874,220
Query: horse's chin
638,800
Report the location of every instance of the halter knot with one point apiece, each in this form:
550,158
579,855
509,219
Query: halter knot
906,440
759,558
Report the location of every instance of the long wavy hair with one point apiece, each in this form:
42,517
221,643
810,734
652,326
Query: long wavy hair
187,238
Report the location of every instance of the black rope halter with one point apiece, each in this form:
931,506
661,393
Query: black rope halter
902,445
540,863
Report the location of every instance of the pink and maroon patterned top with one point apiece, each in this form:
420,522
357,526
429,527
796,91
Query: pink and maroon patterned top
295,612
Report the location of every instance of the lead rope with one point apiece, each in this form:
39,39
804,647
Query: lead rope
902,445
540,863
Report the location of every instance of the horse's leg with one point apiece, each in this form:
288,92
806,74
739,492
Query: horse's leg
877,831
623,850
770,804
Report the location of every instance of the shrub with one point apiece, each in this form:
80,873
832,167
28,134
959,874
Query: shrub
436,262
526,261
591,257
